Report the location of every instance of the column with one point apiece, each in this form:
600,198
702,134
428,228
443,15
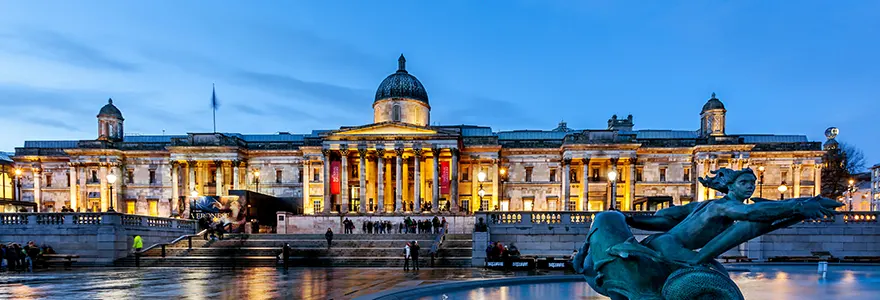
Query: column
796,174
344,180
83,191
72,184
453,184
362,165
38,186
380,179
117,188
435,196
632,184
417,180
218,174
326,157
175,192
566,183
585,184
307,174
235,175
102,177
495,185
817,181
398,193
191,183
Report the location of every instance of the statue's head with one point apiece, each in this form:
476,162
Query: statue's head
739,184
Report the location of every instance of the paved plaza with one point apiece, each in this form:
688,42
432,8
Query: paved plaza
207,283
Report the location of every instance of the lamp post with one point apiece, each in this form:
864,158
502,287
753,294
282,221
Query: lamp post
111,179
782,188
761,182
257,179
612,177
851,188
17,184
481,177
502,179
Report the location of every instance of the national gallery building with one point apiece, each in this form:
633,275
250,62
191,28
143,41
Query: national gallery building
402,164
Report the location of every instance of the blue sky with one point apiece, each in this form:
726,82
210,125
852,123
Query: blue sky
296,65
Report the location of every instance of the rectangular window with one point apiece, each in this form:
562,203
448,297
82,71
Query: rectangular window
153,177
213,176
552,175
784,176
528,174
130,207
317,206
299,175
48,180
465,173
66,175
573,176
154,207
316,175
278,176
129,176
595,174
662,174
639,172
528,204
686,176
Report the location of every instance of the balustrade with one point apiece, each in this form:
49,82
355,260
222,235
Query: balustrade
581,218
50,218
13,219
75,218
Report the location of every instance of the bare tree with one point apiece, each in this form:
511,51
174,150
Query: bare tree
841,164
855,159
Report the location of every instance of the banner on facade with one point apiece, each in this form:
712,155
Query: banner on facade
335,166
444,177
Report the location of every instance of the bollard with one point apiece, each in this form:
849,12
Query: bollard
823,267
163,250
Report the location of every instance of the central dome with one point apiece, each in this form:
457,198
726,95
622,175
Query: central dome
401,85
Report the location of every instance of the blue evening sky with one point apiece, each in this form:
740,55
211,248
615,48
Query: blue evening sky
780,67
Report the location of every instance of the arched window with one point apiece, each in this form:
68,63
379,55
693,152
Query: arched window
395,113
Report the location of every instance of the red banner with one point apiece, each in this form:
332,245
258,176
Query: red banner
444,177
335,186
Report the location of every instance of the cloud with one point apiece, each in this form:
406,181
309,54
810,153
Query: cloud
25,99
49,122
292,88
483,111
58,47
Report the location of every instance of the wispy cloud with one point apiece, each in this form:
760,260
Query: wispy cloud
483,111
290,87
58,47
51,122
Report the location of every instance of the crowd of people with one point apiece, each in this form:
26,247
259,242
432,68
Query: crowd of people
14,257
497,251
407,225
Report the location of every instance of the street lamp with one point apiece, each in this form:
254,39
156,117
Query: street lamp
782,188
761,182
18,184
257,179
111,179
481,177
612,177
851,189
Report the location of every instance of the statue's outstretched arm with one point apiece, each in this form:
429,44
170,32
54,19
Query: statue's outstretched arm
769,211
662,220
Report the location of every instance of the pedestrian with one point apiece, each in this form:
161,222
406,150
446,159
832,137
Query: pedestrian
415,255
285,254
137,245
406,257
329,237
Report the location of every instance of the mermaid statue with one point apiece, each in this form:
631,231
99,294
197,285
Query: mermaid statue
679,262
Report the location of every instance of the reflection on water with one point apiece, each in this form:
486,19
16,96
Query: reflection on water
762,282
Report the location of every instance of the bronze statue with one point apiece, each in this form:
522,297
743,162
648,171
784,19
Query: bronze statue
667,265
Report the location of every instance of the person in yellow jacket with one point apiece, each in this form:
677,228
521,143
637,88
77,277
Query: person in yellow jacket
138,243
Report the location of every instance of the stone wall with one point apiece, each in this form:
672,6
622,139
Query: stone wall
559,233
98,238
299,224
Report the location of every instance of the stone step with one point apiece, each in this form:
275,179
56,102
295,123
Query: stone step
337,236
255,261
311,252
336,243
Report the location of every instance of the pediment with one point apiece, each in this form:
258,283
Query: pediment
387,129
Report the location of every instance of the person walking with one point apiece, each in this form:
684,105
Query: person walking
414,251
329,237
137,245
406,257
285,254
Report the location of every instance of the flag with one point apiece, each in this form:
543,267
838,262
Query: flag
335,181
444,177
214,103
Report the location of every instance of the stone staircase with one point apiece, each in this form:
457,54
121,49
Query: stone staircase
308,250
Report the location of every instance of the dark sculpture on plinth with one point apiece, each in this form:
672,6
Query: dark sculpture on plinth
679,262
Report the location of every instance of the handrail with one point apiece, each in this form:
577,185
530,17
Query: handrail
172,242
435,246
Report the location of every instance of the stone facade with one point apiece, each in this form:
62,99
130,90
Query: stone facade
400,164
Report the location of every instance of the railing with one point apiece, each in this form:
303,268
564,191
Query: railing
585,218
188,237
109,218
